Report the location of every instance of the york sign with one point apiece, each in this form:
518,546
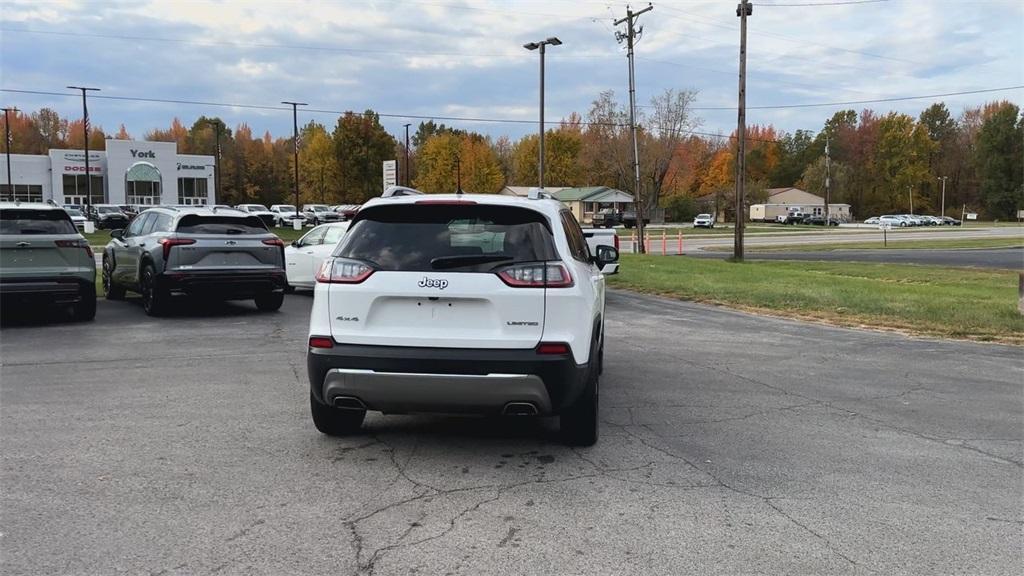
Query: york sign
142,154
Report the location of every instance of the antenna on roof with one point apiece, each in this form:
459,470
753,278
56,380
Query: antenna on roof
458,176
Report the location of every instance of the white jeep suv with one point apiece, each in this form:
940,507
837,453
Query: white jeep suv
474,304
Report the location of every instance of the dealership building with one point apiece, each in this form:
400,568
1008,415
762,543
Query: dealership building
127,172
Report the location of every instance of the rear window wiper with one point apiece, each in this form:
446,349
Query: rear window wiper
444,262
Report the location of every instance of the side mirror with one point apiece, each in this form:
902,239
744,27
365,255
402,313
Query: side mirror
606,255
295,244
117,234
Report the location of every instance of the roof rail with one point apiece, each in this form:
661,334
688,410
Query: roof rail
400,191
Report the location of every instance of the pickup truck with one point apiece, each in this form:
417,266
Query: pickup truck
629,219
602,237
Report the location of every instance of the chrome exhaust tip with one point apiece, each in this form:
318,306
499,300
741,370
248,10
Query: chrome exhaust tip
519,409
349,403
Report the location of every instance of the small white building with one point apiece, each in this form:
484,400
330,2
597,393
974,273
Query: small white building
127,172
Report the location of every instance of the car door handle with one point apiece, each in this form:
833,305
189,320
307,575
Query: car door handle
23,244
142,244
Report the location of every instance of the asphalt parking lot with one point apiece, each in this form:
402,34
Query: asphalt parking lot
730,444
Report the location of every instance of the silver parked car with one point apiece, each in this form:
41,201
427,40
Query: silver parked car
223,254
43,259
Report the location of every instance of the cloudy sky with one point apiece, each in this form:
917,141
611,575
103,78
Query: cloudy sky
464,58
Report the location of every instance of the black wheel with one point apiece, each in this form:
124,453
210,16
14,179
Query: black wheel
289,289
113,291
578,423
154,300
269,301
335,421
86,308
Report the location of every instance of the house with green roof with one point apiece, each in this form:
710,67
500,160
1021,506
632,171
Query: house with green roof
587,200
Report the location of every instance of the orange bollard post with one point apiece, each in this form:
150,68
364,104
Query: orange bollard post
664,241
680,242
647,241
632,241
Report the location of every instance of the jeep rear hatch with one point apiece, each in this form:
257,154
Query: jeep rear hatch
456,275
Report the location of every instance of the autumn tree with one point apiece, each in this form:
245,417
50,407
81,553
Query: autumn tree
1000,161
562,166
319,163
76,136
361,145
176,133
901,160
447,157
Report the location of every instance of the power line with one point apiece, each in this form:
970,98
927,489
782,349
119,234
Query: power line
481,120
853,102
840,3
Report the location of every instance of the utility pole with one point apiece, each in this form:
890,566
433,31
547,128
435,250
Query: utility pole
407,178
295,143
7,139
744,9
943,178
910,193
828,177
216,161
85,126
630,38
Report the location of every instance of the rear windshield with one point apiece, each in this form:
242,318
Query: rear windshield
203,224
468,238
27,221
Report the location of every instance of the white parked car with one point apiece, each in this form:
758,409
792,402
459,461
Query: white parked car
304,257
77,218
476,304
893,221
873,220
258,210
703,221
285,214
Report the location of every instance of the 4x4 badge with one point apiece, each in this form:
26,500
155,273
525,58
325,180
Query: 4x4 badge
433,283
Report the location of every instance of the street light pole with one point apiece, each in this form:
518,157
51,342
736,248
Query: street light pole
407,172
943,178
7,139
85,127
542,45
910,194
216,161
295,143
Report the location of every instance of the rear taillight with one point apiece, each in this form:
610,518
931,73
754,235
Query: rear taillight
536,275
274,242
616,242
342,271
320,342
168,243
84,244
552,348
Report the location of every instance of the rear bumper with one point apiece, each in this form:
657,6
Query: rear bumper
228,284
444,380
49,290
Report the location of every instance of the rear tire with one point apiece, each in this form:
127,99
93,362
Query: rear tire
113,291
333,421
270,301
578,422
154,300
85,309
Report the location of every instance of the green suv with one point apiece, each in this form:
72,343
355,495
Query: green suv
44,260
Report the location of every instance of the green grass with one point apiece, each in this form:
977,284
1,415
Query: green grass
938,243
925,300
99,238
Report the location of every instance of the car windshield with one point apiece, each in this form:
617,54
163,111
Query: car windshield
72,212
107,209
459,238
318,208
703,215
29,221
203,224
257,207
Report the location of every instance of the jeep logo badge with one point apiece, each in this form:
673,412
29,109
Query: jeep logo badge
433,283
